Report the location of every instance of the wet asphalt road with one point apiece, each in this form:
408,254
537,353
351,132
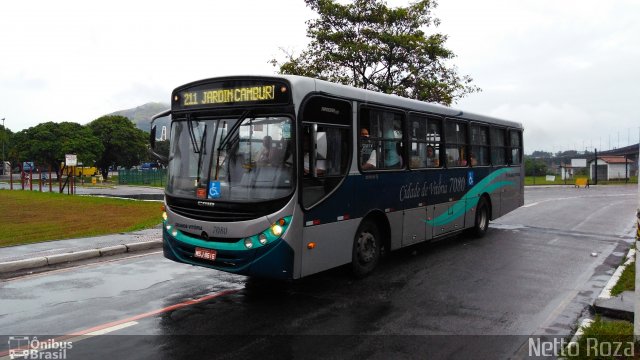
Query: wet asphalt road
533,274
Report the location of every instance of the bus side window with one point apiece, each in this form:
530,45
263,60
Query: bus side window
383,140
516,147
456,143
479,154
325,147
425,135
498,149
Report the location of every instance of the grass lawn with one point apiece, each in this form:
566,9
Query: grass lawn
603,339
30,216
627,281
542,180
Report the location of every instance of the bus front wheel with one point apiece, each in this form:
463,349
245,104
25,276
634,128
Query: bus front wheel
366,249
482,218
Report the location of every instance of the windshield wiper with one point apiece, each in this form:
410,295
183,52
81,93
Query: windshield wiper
203,145
235,127
225,140
192,135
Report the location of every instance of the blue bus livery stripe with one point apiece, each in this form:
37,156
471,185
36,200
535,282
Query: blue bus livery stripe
357,195
471,198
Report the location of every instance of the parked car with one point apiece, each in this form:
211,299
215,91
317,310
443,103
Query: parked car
149,166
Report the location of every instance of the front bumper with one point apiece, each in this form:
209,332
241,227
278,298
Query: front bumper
274,260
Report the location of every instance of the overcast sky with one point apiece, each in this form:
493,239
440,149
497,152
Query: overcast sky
567,70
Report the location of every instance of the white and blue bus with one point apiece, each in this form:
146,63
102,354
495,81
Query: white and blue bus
286,176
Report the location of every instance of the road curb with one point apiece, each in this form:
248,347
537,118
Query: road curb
620,306
44,261
606,291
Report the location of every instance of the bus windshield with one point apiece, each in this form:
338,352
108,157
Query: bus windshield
219,159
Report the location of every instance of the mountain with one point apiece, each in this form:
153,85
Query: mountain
141,115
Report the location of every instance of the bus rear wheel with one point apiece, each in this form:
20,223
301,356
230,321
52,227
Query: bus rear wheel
366,249
482,218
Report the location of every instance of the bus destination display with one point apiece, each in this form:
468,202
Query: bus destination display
212,95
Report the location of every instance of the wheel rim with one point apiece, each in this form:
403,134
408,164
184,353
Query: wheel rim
366,247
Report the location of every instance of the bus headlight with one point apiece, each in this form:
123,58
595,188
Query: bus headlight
263,239
276,230
270,234
164,215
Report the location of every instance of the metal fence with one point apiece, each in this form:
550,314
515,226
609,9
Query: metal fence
154,177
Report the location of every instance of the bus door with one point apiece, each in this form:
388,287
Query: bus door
326,196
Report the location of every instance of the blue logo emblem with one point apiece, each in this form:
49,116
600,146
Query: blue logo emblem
214,189
470,178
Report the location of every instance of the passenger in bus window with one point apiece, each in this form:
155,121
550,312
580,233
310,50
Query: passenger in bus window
393,149
368,157
474,161
432,160
264,157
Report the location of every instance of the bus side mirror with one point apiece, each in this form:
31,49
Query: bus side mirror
162,153
152,137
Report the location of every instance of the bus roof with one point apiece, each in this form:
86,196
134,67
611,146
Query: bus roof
306,84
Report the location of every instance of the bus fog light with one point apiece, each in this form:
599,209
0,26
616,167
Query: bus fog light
276,230
248,243
174,233
263,239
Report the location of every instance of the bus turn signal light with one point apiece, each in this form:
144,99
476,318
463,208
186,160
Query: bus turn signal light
311,245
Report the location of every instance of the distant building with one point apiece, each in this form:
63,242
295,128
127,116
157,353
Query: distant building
611,168
566,172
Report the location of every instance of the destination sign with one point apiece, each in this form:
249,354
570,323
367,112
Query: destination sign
234,93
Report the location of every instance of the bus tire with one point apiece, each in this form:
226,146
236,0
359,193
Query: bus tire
366,249
482,219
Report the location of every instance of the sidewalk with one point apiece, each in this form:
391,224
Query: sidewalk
124,191
39,255
32,256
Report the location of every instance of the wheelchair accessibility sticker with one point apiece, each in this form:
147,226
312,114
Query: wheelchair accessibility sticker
214,189
470,178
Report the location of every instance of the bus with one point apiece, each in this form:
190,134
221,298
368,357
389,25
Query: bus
271,176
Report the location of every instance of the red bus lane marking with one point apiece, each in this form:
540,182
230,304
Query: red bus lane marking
87,333
155,312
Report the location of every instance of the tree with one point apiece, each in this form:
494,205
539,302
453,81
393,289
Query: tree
5,140
368,45
124,144
541,154
48,143
534,167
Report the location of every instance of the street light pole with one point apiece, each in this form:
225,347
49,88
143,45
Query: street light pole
4,133
636,305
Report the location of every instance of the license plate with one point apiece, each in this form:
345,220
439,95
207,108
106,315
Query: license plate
206,254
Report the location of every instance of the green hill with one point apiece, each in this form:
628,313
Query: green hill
141,115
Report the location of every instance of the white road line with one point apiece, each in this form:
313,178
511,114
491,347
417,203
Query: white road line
112,328
530,205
